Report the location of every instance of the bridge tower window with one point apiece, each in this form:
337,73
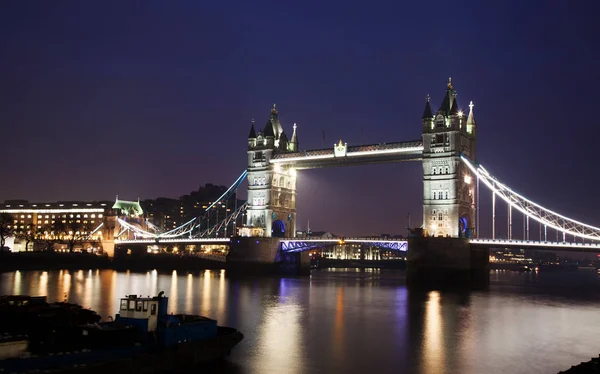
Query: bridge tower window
447,170
433,170
434,195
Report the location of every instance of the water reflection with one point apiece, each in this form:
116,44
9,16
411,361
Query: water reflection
352,322
43,286
17,283
434,350
221,297
279,334
338,330
206,293
173,294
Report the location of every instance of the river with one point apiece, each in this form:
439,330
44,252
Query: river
356,321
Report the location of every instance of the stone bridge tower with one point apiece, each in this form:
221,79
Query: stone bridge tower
271,188
448,185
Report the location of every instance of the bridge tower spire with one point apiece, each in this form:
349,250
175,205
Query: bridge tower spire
271,189
448,185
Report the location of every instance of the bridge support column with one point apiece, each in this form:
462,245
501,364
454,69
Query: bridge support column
108,234
440,262
262,256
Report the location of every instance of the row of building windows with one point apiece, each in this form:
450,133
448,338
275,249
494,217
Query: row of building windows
440,194
277,182
258,201
46,222
440,170
64,216
260,181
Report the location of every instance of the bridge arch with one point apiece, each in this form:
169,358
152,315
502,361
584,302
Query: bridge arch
278,229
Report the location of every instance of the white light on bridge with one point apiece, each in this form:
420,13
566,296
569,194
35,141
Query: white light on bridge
467,179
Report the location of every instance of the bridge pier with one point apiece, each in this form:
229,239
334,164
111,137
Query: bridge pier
262,255
108,234
440,262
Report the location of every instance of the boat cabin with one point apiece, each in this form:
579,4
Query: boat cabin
143,312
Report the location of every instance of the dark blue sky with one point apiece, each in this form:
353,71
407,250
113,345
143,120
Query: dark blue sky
153,98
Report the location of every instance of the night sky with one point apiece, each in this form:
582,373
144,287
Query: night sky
154,98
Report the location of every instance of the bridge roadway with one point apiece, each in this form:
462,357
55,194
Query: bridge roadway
300,245
538,245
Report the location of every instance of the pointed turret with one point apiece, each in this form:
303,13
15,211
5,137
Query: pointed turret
283,142
471,124
427,113
252,134
268,130
454,109
448,101
294,142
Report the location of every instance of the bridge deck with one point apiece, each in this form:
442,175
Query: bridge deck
532,244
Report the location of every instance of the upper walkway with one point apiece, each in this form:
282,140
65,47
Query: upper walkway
342,155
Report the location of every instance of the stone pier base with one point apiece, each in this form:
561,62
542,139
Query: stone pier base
261,256
446,262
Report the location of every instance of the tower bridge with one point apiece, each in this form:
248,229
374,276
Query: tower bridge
451,182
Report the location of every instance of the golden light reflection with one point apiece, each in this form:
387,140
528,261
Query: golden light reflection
206,293
78,281
105,293
338,326
279,338
433,350
153,283
43,285
188,293
17,283
221,297
88,290
173,293
65,286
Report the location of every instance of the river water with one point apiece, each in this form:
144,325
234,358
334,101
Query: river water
356,321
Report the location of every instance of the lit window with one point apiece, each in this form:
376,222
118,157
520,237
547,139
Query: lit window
93,216
99,215
22,216
29,216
